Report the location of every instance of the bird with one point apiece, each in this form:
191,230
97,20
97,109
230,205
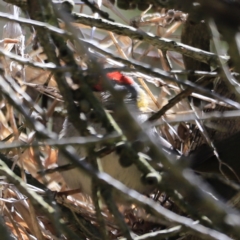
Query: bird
130,176
202,160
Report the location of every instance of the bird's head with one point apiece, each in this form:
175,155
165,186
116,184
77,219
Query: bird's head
134,93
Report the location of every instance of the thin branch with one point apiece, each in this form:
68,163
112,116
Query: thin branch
25,61
230,81
162,234
173,101
95,9
190,116
30,22
161,43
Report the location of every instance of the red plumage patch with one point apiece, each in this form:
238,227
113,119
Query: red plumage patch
115,76
119,77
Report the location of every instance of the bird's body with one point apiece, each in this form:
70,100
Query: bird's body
202,160
110,164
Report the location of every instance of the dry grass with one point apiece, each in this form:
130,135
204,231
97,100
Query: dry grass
23,219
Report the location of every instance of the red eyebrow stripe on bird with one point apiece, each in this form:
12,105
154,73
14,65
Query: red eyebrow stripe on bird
119,77
114,76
